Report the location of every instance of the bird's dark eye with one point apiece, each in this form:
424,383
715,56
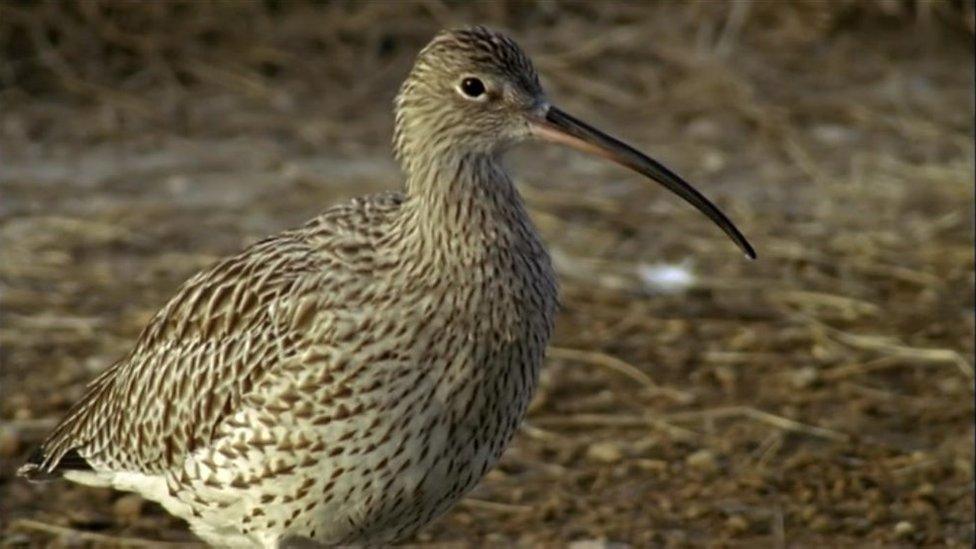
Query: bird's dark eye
472,87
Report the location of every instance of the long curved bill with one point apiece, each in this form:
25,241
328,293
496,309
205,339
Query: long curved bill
559,127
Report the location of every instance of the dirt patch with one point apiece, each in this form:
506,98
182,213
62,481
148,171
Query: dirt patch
820,395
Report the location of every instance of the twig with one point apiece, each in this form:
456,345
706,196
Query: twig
894,272
29,425
765,417
849,370
100,539
856,307
881,394
28,431
882,345
55,322
495,506
768,448
892,348
602,359
541,434
737,357
738,14
598,358
622,421
779,527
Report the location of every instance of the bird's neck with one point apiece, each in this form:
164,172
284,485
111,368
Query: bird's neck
465,204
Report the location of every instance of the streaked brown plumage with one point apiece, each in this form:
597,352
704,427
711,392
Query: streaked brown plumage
348,381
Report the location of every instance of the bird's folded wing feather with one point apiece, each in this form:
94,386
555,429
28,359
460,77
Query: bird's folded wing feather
225,330
194,362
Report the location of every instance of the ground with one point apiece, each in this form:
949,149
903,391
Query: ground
821,395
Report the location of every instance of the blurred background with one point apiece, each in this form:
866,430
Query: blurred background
820,395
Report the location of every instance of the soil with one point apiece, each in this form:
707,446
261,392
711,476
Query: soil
821,395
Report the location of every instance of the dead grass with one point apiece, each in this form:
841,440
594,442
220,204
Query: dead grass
821,395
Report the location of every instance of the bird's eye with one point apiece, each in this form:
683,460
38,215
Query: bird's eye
472,87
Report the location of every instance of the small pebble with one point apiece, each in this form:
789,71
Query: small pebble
904,528
737,524
804,377
703,460
605,452
9,443
832,134
704,128
713,161
653,465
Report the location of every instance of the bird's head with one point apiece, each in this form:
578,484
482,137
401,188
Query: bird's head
474,91
469,91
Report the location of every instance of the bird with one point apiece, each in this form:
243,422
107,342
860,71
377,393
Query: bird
348,381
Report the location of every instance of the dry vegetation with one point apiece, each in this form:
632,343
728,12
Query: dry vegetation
821,395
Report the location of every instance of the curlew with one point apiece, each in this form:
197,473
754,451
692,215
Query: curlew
348,381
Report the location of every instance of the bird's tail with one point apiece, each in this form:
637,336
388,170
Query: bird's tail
38,469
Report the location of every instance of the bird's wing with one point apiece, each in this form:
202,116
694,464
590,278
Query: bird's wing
199,356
